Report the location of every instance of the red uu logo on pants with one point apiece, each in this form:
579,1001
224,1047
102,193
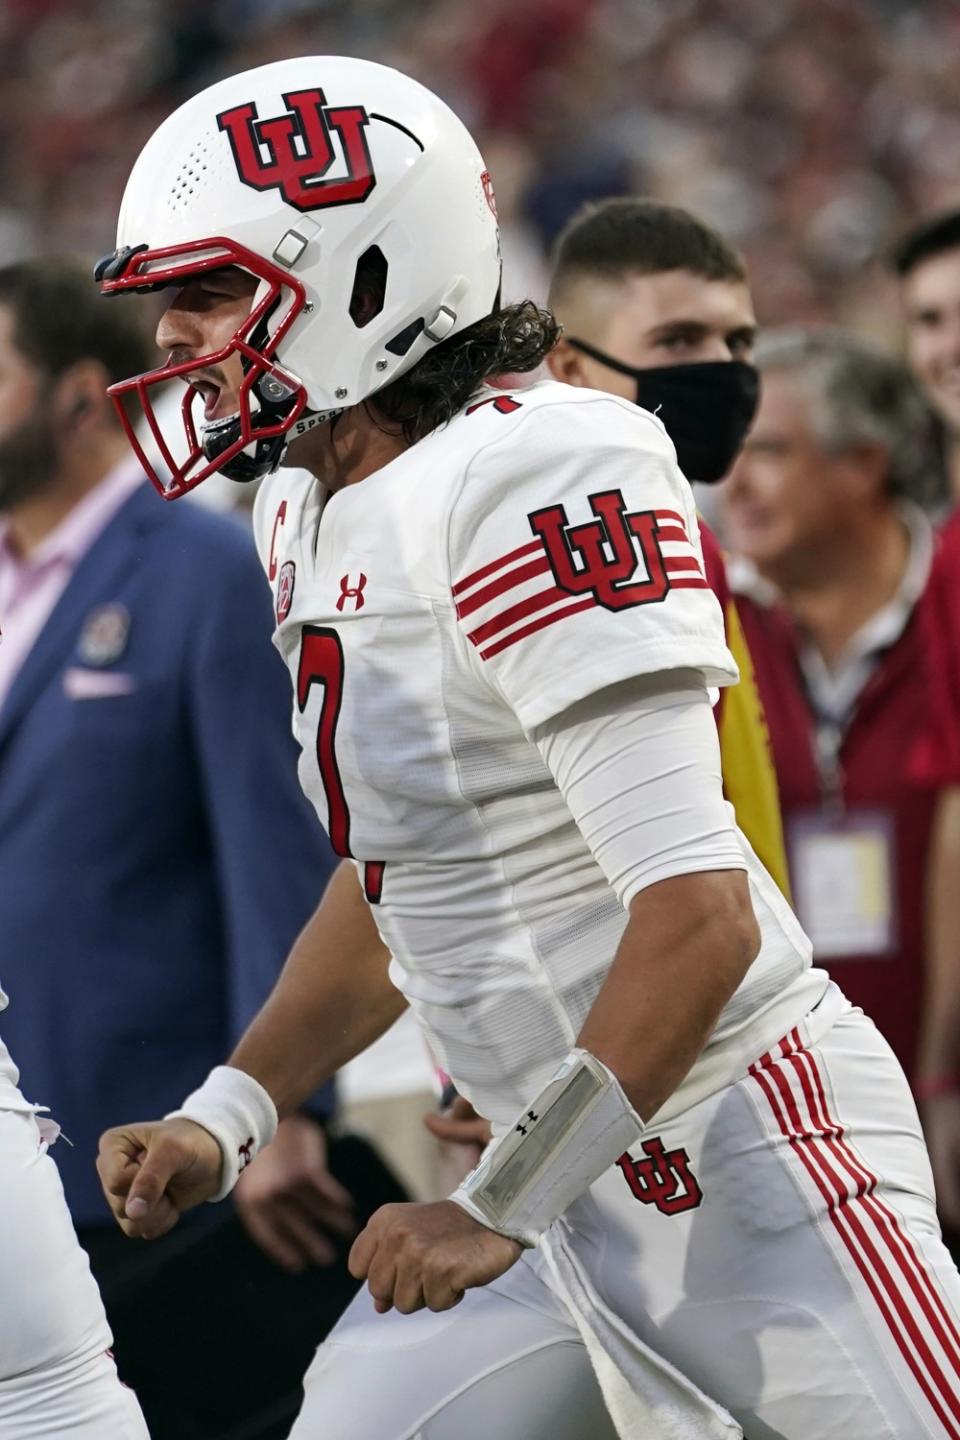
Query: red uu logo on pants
663,1178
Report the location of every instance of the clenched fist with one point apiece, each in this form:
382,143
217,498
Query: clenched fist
152,1172
427,1255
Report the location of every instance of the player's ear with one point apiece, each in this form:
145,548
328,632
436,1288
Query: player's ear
567,365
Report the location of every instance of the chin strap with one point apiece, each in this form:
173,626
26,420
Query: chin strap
261,457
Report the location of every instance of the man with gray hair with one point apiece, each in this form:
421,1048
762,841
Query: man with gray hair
834,553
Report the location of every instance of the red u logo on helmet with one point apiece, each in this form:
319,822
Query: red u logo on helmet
299,170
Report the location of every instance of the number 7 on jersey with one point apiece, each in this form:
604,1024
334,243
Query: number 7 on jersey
321,663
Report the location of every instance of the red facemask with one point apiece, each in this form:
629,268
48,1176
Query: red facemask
249,443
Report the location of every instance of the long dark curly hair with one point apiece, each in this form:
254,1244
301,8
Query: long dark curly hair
514,338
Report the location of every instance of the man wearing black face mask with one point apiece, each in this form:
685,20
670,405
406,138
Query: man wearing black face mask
656,308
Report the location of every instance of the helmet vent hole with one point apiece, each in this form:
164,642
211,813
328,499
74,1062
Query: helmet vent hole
369,287
196,170
402,341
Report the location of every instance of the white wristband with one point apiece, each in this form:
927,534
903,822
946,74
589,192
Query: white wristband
238,1113
574,1130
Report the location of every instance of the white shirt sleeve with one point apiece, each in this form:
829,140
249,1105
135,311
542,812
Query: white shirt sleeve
639,767
575,557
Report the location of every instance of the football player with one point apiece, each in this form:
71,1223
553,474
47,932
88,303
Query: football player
58,1380
707,1187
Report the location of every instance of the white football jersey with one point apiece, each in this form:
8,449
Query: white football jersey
10,1097
540,547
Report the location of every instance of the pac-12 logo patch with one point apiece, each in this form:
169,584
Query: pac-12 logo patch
288,575
293,152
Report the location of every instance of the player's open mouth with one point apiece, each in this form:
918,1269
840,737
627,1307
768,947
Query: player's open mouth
210,395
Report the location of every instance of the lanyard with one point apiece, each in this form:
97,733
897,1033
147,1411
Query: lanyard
830,729
828,739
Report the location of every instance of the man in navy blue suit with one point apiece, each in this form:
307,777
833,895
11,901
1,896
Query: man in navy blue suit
156,854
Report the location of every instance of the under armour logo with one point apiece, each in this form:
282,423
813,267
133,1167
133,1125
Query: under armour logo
663,1179
351,592
301,150
600,557
246,1152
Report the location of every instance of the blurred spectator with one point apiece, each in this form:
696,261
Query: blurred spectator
158,858
937,1080
927,261
835,558
803,130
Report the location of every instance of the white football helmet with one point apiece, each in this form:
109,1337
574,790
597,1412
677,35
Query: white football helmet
299,172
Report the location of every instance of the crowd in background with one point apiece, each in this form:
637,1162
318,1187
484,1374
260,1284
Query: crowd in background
807,131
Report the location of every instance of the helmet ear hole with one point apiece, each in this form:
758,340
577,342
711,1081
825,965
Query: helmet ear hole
369,287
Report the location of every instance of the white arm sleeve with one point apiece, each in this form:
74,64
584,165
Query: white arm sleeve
639,767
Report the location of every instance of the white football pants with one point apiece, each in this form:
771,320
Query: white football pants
777,1242
56,1377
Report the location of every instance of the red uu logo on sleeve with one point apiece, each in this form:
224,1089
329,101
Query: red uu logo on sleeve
600,557
301,150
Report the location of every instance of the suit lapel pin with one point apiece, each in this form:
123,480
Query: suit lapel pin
103,638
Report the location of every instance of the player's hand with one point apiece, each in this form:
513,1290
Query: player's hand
152,1172
289,1202
941,1126
463,1136
413,1256
460,1125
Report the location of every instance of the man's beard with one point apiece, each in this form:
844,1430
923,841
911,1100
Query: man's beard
28,460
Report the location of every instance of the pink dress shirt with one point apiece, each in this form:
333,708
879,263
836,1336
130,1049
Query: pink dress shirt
30,586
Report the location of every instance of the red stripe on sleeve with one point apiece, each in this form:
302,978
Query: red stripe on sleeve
508,581
530,606
535,625
486,570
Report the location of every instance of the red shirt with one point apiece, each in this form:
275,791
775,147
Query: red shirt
937,760
880,771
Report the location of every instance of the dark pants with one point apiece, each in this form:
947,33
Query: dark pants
210,1333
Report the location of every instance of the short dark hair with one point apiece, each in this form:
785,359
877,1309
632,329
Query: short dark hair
611,239
932,236
59,319
513,339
